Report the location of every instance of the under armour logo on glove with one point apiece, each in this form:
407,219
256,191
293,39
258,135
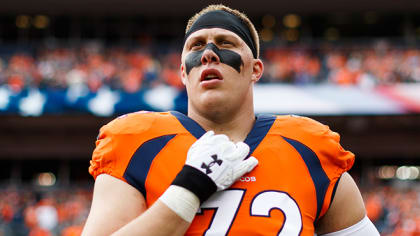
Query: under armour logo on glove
211,150
207,167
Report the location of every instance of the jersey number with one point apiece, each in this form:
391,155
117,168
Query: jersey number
226,205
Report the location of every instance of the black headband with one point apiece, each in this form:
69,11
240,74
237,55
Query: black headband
225,20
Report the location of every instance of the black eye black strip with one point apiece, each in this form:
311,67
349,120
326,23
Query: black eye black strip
227,57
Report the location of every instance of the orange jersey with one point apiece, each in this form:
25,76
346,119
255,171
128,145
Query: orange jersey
300,161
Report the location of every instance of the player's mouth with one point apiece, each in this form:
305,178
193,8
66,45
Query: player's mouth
209,75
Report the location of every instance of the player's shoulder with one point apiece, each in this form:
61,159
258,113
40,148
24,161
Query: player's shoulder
289,124
319,138
139,122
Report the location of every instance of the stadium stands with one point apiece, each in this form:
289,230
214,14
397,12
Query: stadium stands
107,81
395,210
24,211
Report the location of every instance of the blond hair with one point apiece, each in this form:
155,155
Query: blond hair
237,13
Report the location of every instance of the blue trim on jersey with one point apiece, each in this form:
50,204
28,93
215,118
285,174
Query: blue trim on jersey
260,129
193,127
319,177
138,168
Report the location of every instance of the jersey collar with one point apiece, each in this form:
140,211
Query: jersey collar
260,129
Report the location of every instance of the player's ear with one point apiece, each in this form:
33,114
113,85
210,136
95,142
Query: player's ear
183,73
257,69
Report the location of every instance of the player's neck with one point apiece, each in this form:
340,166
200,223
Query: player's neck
236,127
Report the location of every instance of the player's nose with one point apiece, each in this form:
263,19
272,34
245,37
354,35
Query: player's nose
209,56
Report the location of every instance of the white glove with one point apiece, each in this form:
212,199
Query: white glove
213,163
220,159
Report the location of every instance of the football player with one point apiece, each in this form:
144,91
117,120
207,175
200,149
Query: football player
221,169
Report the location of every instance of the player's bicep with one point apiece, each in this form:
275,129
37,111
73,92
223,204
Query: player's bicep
347,207
114,204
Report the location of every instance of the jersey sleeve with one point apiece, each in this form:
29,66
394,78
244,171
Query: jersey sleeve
325,144
334,159
117,142
103,157
319,138
332,155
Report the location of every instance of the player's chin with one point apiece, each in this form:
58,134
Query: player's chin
214,97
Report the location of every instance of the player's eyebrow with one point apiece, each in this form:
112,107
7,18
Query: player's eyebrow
194,39
218,36
229,37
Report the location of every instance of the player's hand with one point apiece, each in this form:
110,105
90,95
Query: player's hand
213,163
220,159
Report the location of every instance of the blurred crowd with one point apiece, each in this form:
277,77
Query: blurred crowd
62,212
90,65
394,211
361,65
24,211
94,65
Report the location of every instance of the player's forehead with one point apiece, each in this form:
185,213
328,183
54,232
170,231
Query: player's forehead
211,32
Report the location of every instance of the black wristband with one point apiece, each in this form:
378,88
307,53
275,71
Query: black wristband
195,181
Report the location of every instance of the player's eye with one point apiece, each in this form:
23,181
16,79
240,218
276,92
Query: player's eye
197,44
224,42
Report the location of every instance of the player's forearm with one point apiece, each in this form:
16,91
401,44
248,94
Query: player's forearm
158,220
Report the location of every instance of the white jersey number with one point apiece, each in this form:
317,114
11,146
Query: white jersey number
226,205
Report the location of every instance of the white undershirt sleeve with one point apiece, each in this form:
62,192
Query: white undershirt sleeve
364,227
